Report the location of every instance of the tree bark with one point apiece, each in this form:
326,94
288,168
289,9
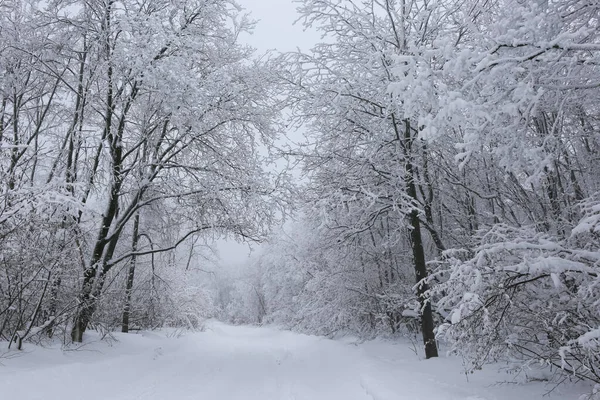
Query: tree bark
416,241
130,276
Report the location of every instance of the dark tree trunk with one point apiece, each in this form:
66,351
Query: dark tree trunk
422,288
416,241
85,309
130,276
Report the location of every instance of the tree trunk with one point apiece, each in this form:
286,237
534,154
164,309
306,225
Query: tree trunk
130,276
422,287
86,306
416,242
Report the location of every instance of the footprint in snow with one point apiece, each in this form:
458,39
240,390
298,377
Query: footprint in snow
157,353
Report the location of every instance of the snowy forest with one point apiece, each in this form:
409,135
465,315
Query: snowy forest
429,168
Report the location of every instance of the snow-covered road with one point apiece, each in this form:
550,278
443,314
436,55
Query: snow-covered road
228,362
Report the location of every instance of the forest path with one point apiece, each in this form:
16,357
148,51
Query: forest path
249,363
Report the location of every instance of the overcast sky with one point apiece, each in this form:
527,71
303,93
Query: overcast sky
275,31
276,28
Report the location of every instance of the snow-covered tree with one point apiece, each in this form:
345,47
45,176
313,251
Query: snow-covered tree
112,109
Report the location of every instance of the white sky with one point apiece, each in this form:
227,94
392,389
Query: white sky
275,31
276,28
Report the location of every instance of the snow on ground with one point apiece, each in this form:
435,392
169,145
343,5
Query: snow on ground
227,362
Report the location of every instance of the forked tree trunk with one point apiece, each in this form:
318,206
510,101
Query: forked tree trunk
93,277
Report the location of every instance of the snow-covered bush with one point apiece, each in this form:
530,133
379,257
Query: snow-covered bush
527,296
38,262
